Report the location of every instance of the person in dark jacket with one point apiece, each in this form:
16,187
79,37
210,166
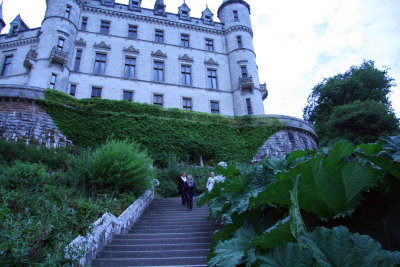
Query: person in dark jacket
189,188
181,183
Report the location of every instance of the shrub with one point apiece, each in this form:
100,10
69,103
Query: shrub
23,174
117,165
55,158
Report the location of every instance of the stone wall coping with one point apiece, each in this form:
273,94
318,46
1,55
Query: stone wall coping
21,91
294,122
84,248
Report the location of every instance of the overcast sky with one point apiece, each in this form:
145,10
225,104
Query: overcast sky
298,43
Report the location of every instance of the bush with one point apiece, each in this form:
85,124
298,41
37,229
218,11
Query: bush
117,165
24,174
55,158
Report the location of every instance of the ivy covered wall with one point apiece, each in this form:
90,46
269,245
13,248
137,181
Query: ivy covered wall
187,134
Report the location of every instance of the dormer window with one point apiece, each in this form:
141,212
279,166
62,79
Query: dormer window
108,2
185,15
207,19
14,30
207,16
134,5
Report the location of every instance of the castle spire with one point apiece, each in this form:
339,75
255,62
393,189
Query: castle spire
2,23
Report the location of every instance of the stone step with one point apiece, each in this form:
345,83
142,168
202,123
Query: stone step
173,230
160,241
187,221
162,235
165,247
153,254
185,261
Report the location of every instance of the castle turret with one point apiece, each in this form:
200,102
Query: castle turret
2,23
56,46
247,96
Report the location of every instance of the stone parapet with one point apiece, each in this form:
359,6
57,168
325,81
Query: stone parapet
84,248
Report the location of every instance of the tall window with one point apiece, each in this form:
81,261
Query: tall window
187,103
235,15
53,80
210,45
239,41
96,92
6,66
184,40
159,36
130,65
214,107
105,27
72,89
84,24
158,71
212,78
60,44
100,64
249,108
14,30
78,60
158,100
67,13
128,95
186,75
243,70
135,5
132,32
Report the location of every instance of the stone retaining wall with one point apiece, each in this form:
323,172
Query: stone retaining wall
84,249
22,119
295,135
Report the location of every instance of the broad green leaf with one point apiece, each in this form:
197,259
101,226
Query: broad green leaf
232,252
289,254
286,230
333,183
393,145
277,193
390,166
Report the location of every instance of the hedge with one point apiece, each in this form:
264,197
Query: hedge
90,122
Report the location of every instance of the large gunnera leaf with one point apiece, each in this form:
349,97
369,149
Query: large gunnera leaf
331,247
333,182
286,230
234,251
388,161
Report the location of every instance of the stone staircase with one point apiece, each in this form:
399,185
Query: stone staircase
166,235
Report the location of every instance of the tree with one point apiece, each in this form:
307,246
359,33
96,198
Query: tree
353,105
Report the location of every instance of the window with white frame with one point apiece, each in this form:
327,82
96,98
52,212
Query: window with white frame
214,107
6,65
96,92
187,103
158,71
72,90
100,64
158,100
186,75
53,80
212,79
130,65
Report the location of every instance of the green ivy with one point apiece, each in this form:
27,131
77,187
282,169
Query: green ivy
90,122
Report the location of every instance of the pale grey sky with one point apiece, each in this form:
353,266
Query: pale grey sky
298,43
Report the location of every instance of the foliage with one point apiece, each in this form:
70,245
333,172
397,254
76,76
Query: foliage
169,176
299,210
39,215
55,158
90,122
353,105
117,165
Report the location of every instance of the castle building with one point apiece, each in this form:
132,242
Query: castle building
99,48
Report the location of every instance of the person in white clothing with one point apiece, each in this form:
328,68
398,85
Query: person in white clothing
211,182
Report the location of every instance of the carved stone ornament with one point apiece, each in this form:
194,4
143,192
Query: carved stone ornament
80,42
185,57
131,50
102,45
211,62
158,53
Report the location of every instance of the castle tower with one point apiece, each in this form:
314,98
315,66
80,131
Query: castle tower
55,50
2,23
247,96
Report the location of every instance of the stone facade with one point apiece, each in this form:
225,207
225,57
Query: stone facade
100,44
84,248
21,118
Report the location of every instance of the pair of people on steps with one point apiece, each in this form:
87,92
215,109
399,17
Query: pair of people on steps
186,188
